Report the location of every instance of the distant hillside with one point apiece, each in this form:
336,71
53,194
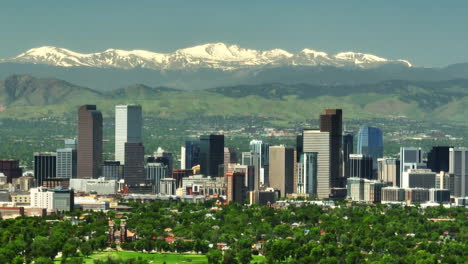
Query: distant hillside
27,97
24,90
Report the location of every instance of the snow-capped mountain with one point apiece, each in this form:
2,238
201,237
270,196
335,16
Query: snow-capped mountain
212,56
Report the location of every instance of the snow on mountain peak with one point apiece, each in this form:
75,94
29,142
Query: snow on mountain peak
211,55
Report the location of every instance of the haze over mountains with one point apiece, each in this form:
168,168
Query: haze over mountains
217,64
23,96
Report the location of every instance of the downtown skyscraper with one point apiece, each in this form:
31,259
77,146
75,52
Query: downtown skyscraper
128,125
370,143
331,122
89,142
129,149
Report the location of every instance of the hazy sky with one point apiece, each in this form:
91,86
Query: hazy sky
426,32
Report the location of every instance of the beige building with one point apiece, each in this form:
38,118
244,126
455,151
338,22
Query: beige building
389,171
320,142
281,169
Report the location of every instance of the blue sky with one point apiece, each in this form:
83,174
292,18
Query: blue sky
426,32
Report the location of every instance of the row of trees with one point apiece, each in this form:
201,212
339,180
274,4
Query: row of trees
308,234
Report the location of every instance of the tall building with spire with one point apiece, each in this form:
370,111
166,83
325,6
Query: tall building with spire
89,142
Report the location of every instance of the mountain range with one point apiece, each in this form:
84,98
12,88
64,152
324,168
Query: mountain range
23,96
217,64
207,56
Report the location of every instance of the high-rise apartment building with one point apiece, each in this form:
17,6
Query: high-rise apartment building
360,166
307,174
370,143
89,142
459,169
211,154
410,158
389,171
331,122
128,126
252,159
66,163
438,159
320,143
45,166
281,168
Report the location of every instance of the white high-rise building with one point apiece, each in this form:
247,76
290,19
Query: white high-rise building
128,126
320,142
258,146
410,158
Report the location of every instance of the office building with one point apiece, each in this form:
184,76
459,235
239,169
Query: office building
418,178
320,143
66,163
99,186
112,170
236,191
89,142
211,154
331,122
192,154
45,166
162,156
307,174
70,143
299,146
154,173
444,180
360,166
11,169
252,159
179,174
167,186
388,170
439,196
230,157
52,199
438,159
393,194
459,169
411,158
370,143
365,190
128,126
281,168
262,148
347,147
134,168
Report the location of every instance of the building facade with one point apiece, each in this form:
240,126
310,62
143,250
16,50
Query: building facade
128,127
89,142
45,166
66,163
320,143
459,169
281,168
307,174
211,154
370,143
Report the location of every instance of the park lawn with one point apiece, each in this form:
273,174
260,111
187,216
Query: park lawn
157,258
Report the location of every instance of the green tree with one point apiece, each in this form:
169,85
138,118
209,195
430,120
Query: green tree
244,256
214,256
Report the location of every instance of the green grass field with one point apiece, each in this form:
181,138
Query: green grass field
156,258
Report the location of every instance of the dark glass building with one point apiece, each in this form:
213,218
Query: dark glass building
438,159
134,168
89,142
11,169
45,166
211,154
347,146
360,166
370,143
192,154
331,121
